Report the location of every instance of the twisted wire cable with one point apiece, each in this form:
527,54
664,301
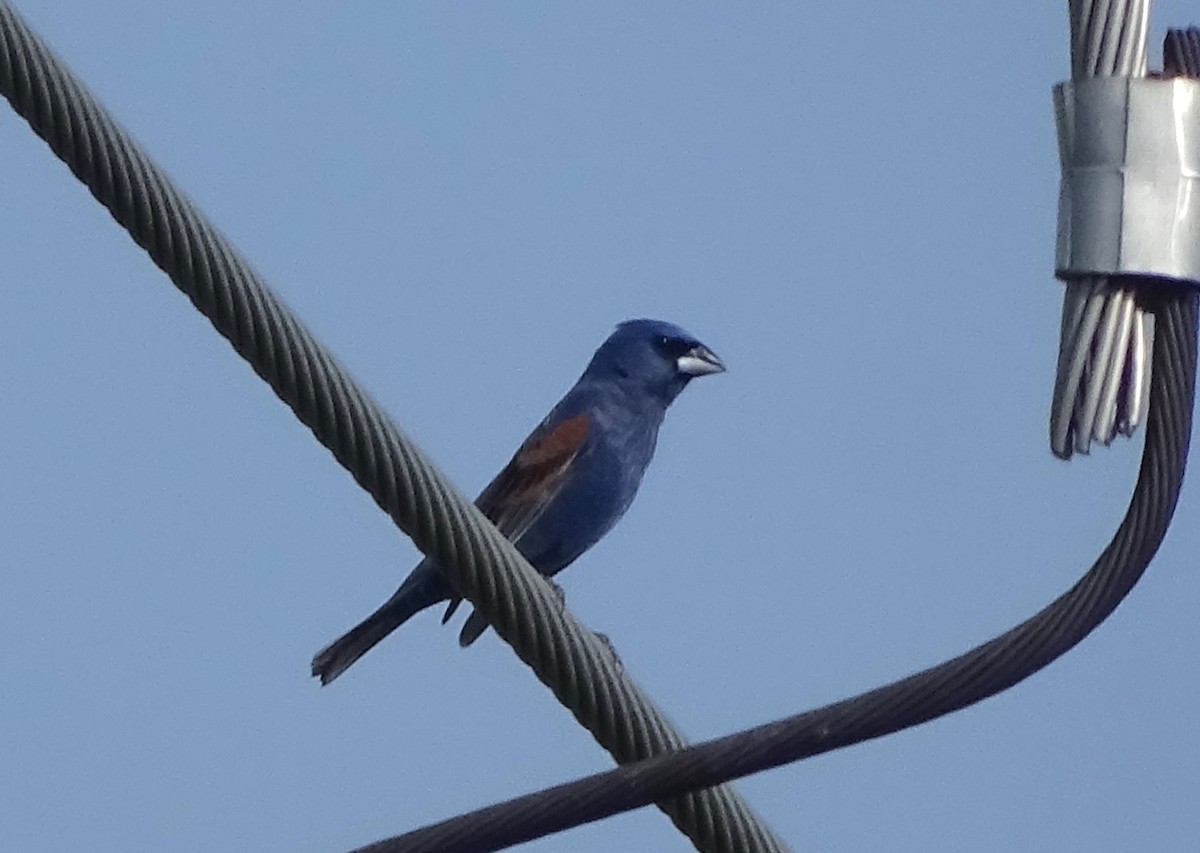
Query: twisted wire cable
1100,380
479,562
982,672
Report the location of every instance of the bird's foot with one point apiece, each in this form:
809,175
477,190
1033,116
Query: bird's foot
611,649
559,593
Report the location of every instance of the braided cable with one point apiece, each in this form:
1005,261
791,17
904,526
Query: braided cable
982,672
479,562
1100,379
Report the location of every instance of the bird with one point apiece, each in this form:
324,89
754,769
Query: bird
571,480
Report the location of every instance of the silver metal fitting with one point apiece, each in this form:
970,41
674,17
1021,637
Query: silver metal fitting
1129,201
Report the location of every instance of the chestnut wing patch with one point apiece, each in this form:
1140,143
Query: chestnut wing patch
530,481
519,494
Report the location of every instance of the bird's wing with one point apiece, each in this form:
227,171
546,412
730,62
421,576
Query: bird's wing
531,480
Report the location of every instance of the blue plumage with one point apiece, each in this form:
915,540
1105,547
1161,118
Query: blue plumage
569,483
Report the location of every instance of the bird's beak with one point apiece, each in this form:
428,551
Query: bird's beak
699,361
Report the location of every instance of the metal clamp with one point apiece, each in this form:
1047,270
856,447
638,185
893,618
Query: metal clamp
1129,201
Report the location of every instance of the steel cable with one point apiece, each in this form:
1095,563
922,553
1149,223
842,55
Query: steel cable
1100,380
480,563
256,322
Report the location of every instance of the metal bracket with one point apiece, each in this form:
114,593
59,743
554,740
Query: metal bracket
1129,201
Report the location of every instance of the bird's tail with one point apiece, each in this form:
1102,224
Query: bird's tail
413,596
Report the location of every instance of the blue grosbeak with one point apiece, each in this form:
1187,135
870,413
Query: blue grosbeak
571,480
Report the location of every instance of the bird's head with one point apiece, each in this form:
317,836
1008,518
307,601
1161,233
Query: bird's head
653,357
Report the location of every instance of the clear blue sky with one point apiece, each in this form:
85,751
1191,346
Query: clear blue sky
853,205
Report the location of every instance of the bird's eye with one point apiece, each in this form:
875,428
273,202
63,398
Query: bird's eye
672,348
